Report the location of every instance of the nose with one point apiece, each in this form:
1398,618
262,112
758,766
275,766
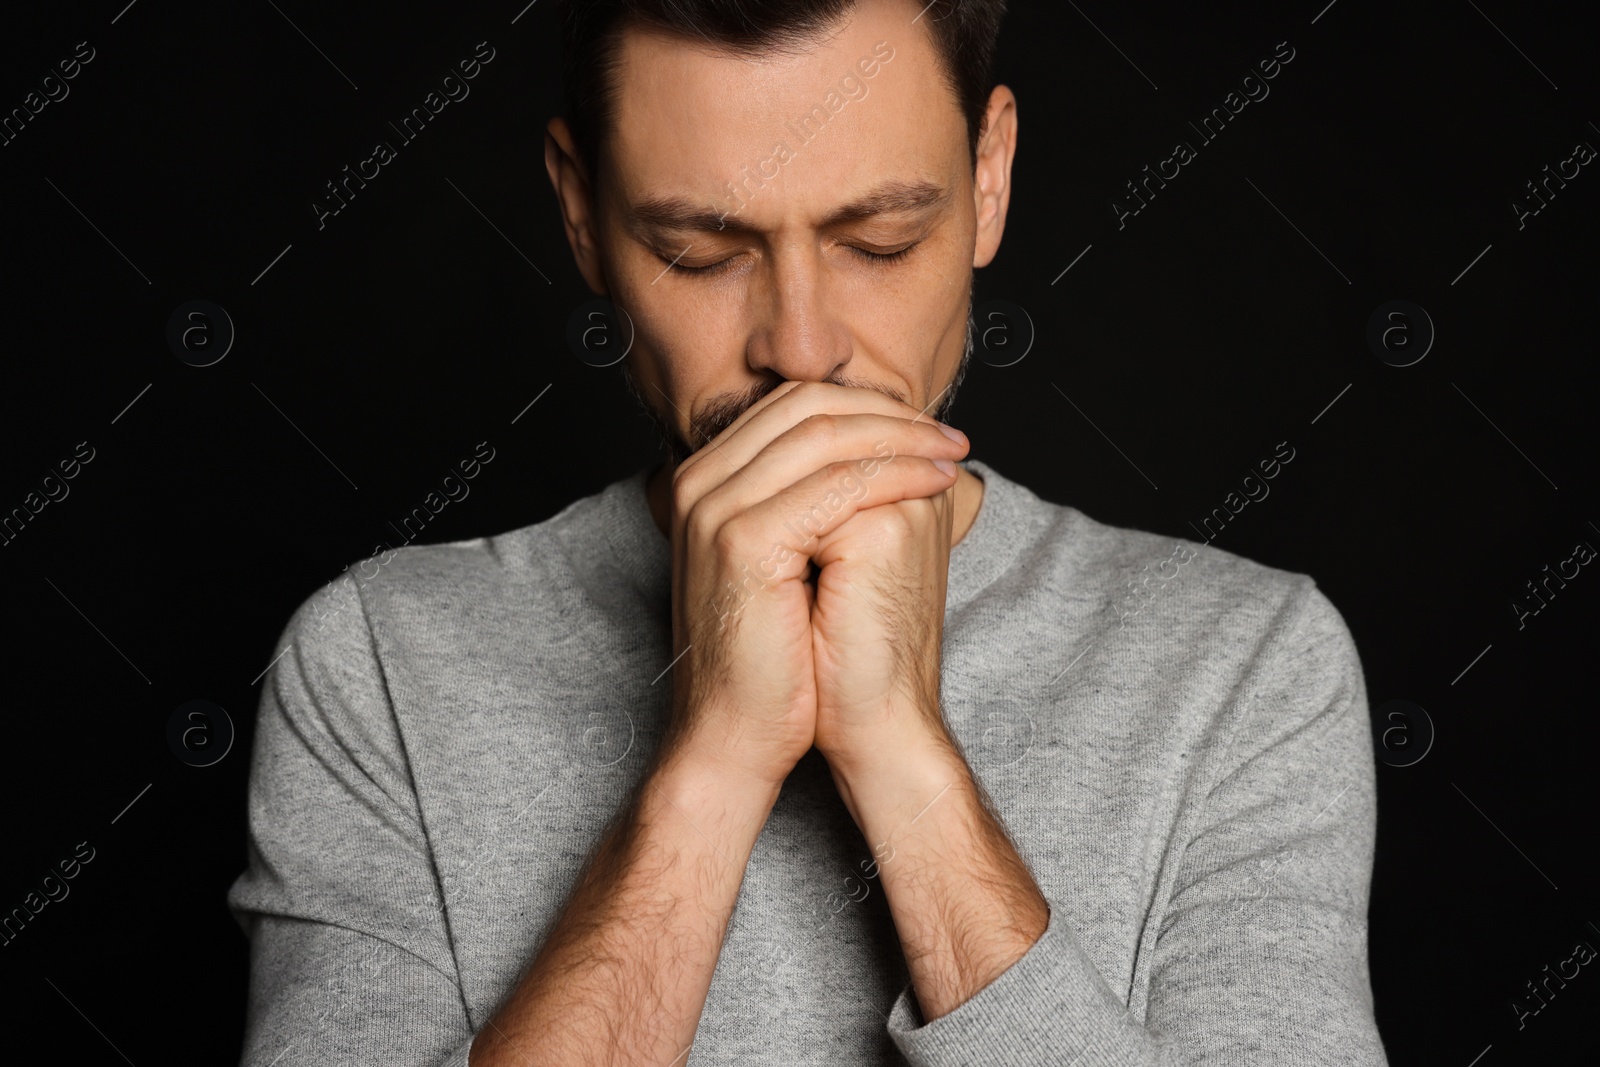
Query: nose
796,334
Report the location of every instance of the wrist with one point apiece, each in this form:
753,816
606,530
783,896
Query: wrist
901,741
693,779
888,794
711,739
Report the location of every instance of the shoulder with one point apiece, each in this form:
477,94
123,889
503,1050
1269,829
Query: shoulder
1067,544
488,576
441,597
1251,665
1233,606
1203,607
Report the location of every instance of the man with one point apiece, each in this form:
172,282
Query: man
811,745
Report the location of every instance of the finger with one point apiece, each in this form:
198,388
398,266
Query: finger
784,529
817,441
925,521
776,412
713,449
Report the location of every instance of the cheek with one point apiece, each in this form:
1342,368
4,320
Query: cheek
920,315
686,334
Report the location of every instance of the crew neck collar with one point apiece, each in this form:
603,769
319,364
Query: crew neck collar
991,544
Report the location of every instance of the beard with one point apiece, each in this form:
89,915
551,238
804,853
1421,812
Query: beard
726,408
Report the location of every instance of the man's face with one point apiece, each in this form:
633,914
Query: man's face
806,216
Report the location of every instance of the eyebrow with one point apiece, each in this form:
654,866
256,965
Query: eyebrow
895,196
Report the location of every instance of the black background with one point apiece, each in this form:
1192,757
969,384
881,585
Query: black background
378,351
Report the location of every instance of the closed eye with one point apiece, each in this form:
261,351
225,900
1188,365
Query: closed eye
876,258
709,268
885,257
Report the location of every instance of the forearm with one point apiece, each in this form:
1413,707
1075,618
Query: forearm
964,904
622,978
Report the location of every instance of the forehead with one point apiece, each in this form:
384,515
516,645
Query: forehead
689,120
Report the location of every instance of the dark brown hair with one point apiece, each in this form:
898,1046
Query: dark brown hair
964,33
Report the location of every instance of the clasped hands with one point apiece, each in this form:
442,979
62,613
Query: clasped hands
810,548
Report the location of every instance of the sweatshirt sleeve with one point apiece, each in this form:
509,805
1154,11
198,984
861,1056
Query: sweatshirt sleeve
350,953
1261,956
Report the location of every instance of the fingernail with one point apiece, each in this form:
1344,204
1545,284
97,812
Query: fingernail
945,465
952,433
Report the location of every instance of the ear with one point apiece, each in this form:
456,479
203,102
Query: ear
575,194
991,187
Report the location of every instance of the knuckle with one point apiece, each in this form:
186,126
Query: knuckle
842,469
699,523
820,429
813,396
685,492
729,537
876,520
896,523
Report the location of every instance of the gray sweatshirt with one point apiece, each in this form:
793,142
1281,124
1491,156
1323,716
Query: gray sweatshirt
1176,737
